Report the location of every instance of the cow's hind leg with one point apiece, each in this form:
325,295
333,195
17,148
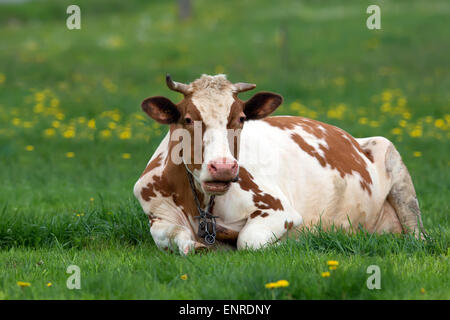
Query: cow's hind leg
402,195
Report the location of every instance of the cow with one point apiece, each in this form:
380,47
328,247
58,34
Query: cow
297,172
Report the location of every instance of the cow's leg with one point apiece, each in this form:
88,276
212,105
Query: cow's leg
266,227
169,236
400,192
402,195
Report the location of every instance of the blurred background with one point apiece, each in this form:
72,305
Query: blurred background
71,127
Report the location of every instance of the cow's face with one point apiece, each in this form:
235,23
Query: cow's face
211,117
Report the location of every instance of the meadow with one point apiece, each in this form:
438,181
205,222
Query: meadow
73,141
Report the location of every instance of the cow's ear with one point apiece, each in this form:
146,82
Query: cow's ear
161,109
261,105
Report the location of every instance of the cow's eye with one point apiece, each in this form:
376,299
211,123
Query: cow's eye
187,120
242,119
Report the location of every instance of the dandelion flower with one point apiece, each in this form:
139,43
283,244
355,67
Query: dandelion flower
422,290
49,284
282,283
91,123
50,132
278,284
29,148
417,154
70,154
126,155
184,277
325,274
23,284
333,263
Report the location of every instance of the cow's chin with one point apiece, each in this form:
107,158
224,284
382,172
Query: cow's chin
216,187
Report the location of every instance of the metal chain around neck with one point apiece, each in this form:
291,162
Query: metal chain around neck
207,223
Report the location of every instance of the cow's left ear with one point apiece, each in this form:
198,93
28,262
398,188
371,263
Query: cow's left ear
261,105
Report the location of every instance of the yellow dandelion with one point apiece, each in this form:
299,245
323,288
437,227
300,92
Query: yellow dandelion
126,155
70,154
396,131
54,103
374,124
2,78
105,133
439,123
332,267
386,95
184,277
402,123
422,290
363,120
91,199
386,107
56,124
68,134
125,135
416,132
91,123
417,154
29,148
23,284
270,285
39,96
325,274
407,115
112,125
50,132
282,283
401,102
16,121
49,284
38,108
60,116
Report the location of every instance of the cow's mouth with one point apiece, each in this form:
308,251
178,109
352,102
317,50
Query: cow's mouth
216,187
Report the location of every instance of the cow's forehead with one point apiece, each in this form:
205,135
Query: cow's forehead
213,97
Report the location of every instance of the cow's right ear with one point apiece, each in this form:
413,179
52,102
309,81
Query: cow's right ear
161,109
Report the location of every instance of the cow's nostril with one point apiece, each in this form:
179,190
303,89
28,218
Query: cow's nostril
212,168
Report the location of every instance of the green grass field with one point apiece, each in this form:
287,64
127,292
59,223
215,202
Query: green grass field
73,140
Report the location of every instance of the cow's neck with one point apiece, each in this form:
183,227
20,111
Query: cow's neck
181,188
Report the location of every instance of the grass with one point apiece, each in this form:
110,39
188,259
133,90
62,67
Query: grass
73,141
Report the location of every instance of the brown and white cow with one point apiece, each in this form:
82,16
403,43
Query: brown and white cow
293,171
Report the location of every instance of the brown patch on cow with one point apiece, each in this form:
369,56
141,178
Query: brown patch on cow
226,235
255,214
261,200
153,164
368,154
342,152
265,214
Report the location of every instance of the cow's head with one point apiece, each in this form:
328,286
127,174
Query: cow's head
211,110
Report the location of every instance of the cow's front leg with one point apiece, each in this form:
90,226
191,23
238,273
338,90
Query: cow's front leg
264,227
169,236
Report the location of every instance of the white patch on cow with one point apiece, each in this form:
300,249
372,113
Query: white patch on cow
213,97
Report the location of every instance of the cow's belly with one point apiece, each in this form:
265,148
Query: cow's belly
320,194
